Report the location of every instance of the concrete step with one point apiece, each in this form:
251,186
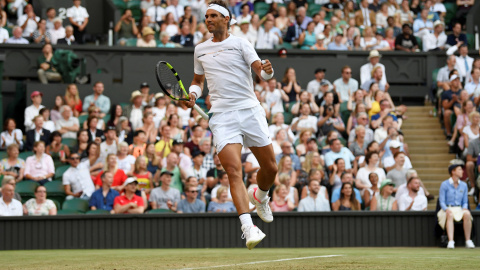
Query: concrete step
435,138
429,150
420,125
419,109
421,170
418,143
422,131
420,163
441,158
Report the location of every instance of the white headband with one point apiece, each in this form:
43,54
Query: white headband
222,11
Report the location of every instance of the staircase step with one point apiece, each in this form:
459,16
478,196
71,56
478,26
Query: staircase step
429,150
442,158
422,131
420,163
430,170
421,125
418,143
437,137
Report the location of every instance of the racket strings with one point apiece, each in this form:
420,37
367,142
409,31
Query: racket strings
169,81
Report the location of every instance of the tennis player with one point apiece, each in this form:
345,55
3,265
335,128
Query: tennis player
238,119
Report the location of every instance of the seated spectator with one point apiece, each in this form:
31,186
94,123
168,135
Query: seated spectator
94,127
337,173
184,38
222,182
40,205
39,167
137,148
68,125
104,197
48,67
473,151
384,201
294,31
11,134
390,38
406,41
109,146
126,162
78,17
472,131
243,32
456,36
164,145
56,115
359,143
124,130
191,204
368,41
362,178
165,197
463,61
284,167
278,123
394,146
274,97
176,9
337,44
41,35
222,204
172,165
435,41
97,99
329,121
33,110
472,85
347,200
303,140
134,111
169,25
10,180
9,206
339,151
364,16
143,176
453,200
12,166
196,137
422,26
372,191
57,31
119,175
413,200
382,44
267,38
197,170
28,21
313,86
307,38
404,14
305,121
165,41
347,177
281,203
47,123
92,161
129,203
76,179
155,13
82,144
149,127
57,150
398,174
317,200
148,38
366,70
17,37
73,100
449,98
126,27
69,38
345,85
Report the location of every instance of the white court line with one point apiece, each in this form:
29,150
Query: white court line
257,262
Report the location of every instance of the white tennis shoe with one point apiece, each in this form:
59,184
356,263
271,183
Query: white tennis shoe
263,208
252,234
451,245
469,244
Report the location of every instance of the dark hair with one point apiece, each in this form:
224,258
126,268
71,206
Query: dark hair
43,110
5,124
54,134
223,4
353,201
333,140
369,155
135,134
220,174
398,153
36,188
89,146
125,11
80,132
337,160
90,119
329,108
50,8
370,144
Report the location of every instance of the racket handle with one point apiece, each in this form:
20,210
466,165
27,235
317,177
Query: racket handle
263,62
201,112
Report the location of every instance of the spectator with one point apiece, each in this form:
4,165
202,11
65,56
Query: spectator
73,100
267,38
119,176
404,14
305,121
453,200
97,99
124,131
391,24
464,7
125,161
57,31
245,32
317,200
406,41
361,120
193,144
134,111
11,134
398,174
337,44
149,127
359,144
191,204
472,85
172,165
48,66
139,143
382,45
435,41
287,150
92,161
473,151
222,202
432,15
37,134
184,38
12,166
148,38
59,102
384,201
294,31
346,85
126,27
78,17
456,37
82,144
94,133
69,38
39,167
389,160
8,205
382,15
449,98
368,41
156,14
176,9
190,18
413,200
58,151
205,146
339,151
471,132
3,32
28,21
274,97
115,113
347,200
109,146
313,86
362,178
143,176
320,43
16,38
372,191
103,198
422,26
463,62
76,180
67,125
365,17
196,170
330,121
366,70
51,16
443,76
164,145
41,35
165,41
307,38
129,203
165,197
281,203
169,25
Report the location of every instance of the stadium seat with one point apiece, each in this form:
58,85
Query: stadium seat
120,4
420,43
133,4
313,9
26,189
131,42
451,12
434,77
285,45
98,212
57,204
471,41
288,117
82,119
67,212
261,8
69,142
55,191
3,154
159,211
25,155
106,118
76,204
60,171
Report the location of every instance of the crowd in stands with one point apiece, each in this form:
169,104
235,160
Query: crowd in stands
311,25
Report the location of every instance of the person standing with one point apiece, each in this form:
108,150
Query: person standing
236,112
78,17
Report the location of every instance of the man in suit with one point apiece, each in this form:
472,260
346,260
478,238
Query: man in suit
365,17
294,30
37,134
185,38
69,39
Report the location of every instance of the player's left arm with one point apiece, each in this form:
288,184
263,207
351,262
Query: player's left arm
257,67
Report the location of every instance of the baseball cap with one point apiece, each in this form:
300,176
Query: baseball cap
166,172
144,84
131,180
179,141
454,77
394,144
282,51
36,93
386,182
197,153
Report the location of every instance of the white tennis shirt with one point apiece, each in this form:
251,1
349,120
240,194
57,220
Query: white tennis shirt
227,68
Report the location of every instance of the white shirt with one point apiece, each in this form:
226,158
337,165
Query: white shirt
390,161
214,192
126,163
438,7
309,204
274,97
3,35
366,16
227,68
380,134
57,34
79,180
160,13
106,149
251,37
253,160
158,115
460,62
273,129
420,202
136,116
473,87
67,123
49,125
177,11
31,24
363,174
30,112
366,73
78,14
184,115
314,87
10,138
266,40
14,208
402,190
310,122
430,41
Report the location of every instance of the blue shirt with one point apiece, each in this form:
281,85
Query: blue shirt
366,85
336,195
197,206
104,203
451,196
344,153
220,207
102,102
419,23
334,47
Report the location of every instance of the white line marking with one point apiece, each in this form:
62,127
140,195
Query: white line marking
257,262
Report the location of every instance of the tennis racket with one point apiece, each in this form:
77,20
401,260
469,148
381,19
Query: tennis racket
172,85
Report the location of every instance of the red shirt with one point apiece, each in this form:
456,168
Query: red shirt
118,179
123,200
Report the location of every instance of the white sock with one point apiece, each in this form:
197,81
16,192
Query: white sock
260,194
246,219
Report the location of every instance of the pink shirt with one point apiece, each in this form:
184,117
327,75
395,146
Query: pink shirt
40,167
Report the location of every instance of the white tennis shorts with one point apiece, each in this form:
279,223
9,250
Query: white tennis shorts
248,127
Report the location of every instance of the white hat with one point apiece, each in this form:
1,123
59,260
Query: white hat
374,53
394,144
130,180
135,94
454,77
320,36
437,22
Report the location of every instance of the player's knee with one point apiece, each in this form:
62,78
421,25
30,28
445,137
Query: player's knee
271,168
233,172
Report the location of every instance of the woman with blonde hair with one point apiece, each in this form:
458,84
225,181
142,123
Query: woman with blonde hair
119,176
313,160
144,177
472,131
368,41
73,100
281,202
285,166
292,191
126,162
153,163
303,139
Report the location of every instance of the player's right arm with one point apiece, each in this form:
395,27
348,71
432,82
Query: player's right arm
197,81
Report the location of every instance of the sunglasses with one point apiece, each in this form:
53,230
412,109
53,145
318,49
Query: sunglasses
193,191
75,158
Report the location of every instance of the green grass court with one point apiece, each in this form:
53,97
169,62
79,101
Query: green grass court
259,258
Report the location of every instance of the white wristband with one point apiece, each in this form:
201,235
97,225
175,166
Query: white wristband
266,76
196,90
